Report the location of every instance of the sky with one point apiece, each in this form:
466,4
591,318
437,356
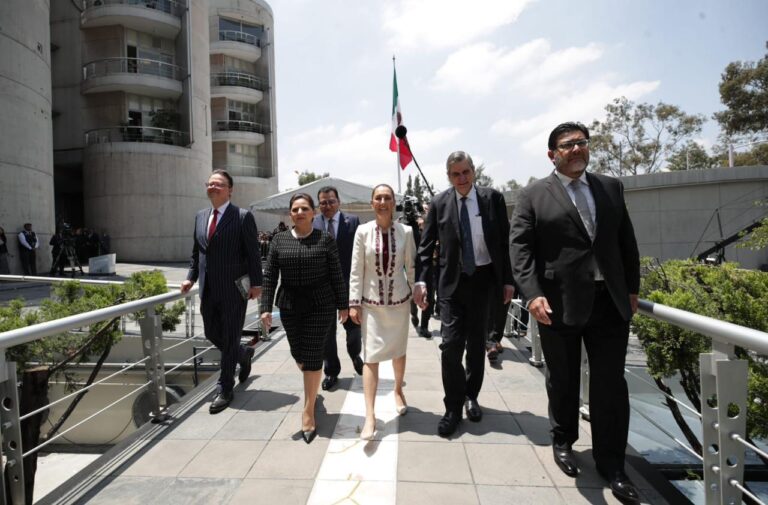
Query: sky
490,77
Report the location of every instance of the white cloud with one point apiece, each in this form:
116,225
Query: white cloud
532,68
579,105
354,152
429,24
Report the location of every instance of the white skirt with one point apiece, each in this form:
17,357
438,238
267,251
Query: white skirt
385,331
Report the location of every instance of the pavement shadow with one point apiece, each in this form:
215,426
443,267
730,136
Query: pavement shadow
268,401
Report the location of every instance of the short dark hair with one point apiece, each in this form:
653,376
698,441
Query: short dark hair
569,126
225,174
299,196
383,185
457,156
327,189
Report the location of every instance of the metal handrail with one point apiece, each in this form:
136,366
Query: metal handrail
238,36
237,79
149,134
722,331
243,126
126,65
173,7
41,330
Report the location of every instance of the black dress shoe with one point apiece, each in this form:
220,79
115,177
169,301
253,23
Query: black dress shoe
491,352
220,402
245,364
309,436
329,382
474,412
623,489
566,461
448,424
424,332
357,362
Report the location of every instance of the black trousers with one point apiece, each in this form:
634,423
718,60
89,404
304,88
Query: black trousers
223,324
28,261
332,364
605,338
464,318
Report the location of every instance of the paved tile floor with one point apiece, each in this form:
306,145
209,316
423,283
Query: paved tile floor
253,453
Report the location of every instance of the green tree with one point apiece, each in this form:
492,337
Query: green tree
637,138
306,177
512,185
744,92
691,156
756,155
481,178
723,292
531,180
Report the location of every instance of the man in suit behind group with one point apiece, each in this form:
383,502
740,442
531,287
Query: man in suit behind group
576,259
470,223
342,227
226,248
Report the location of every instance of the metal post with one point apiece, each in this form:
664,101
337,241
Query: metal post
533,330
584,408
192,319
152,344
709,436
10,429
511,318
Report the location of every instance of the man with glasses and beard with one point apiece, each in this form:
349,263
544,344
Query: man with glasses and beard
342,227
575,257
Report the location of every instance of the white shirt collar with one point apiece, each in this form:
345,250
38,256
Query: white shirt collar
565,180
472,195
335,217
222,208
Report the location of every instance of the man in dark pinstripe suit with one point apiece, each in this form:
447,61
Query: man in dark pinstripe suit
226,248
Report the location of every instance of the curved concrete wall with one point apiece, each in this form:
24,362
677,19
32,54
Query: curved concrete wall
26,148
145,196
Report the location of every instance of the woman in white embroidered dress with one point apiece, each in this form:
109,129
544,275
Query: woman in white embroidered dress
380,283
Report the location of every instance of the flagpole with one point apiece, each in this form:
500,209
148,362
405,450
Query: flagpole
397,161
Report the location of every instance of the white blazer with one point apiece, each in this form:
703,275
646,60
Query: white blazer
368,283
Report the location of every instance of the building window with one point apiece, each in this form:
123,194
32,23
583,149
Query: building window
241,32
140,107
241,111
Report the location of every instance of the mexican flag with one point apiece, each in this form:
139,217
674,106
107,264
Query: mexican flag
395,144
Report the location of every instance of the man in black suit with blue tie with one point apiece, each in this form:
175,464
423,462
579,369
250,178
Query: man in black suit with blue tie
342,227
576,260
226,249
470,223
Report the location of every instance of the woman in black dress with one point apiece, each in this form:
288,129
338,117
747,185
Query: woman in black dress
311,289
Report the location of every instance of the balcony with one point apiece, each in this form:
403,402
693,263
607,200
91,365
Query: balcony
136,134
241,45
237,86
248,171
133,75
241,132
161,18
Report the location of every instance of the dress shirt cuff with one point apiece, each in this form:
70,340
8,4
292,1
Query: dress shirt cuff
420,283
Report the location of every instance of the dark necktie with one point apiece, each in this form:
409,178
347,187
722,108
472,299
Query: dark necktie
467,250
330,229
583,207
212,227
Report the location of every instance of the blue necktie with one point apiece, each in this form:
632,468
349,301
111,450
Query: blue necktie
467,250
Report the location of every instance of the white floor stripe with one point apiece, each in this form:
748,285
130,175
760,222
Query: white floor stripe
354,471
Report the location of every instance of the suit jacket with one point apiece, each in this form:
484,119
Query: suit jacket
442,224
554,257
232,252
345,237
368,283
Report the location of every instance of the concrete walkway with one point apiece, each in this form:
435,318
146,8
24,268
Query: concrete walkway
253,453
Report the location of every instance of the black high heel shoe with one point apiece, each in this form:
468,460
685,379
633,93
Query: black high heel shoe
309,436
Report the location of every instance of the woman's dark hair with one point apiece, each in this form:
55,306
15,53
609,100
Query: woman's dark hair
300,196
382,185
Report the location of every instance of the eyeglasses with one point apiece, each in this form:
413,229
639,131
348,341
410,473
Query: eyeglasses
323,203
568,146
215,185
